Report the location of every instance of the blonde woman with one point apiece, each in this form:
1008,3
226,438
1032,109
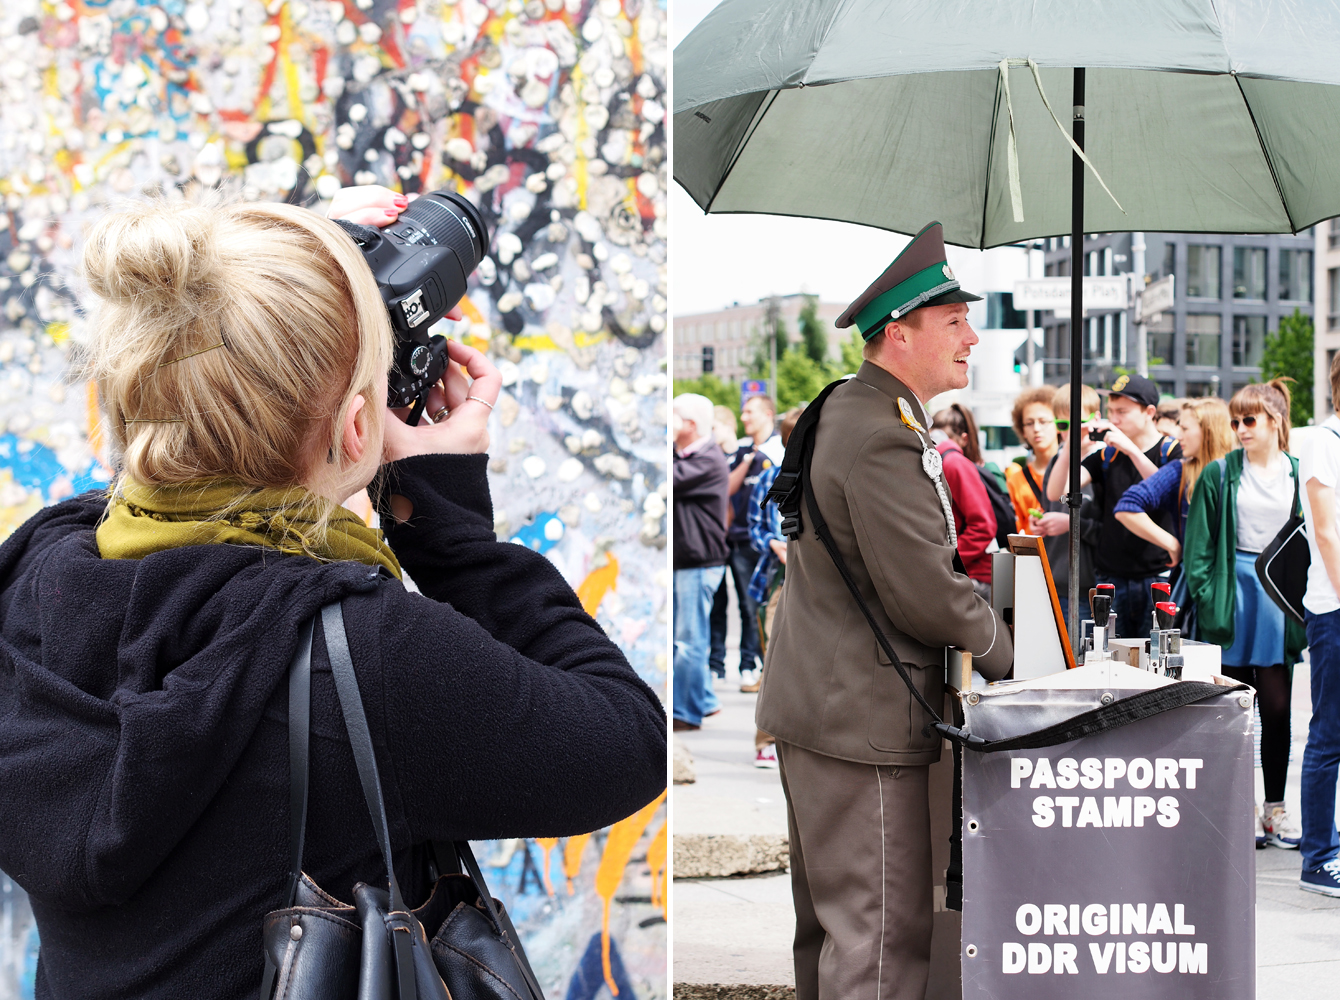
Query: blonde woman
241,356
1206,436
1240,504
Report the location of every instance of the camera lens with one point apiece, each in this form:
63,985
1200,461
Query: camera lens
444,218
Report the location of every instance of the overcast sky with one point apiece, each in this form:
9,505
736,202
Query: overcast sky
720,259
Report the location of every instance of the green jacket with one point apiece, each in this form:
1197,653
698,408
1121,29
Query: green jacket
1209,555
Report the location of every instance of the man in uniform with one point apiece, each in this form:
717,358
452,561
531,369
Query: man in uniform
854,760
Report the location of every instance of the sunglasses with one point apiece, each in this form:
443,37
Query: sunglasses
1249,422
1063,424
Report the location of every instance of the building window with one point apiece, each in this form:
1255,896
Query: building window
1159,340
1199,390
1001,314
1335,233
1169,258
709,358
1330,363
1249,273
1296,275
1202,271
1249,337
1202,339
1333,280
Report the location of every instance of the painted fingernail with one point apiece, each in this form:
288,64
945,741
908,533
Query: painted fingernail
401,200
391,213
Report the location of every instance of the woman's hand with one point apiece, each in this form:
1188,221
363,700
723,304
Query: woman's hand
367,205
463,400
778,549
1174,552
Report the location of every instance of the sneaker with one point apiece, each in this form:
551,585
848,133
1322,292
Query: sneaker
752,685
766,756
1261,841
1325,880
1281,831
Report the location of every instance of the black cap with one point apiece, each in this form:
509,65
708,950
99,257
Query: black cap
1136,387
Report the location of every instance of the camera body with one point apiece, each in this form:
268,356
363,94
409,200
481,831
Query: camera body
422,262
1098,434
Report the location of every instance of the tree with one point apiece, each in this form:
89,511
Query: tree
1288,352
813,333
761,366
852,358
715,388
799,378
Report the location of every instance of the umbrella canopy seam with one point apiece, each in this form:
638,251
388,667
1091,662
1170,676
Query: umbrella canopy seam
739,149
1265,154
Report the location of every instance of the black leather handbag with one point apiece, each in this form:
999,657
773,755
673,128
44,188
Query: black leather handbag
459,945
1283,565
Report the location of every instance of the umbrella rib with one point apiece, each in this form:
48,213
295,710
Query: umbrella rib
990,157
739,150
1279,191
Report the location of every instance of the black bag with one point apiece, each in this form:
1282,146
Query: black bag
1283,564
318,948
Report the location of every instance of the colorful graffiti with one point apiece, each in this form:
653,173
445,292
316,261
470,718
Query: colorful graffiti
550,114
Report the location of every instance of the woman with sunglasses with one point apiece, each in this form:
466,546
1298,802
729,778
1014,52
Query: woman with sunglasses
1240,504
1206,437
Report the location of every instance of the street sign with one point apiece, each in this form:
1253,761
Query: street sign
1156,298
752,387
1054,293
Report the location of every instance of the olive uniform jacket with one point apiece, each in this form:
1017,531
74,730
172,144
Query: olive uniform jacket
829,687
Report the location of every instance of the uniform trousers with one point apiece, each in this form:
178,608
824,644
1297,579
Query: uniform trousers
860,876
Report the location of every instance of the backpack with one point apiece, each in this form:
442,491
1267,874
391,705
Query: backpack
1002,506
1166,445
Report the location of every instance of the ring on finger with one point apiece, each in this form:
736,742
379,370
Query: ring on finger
440,415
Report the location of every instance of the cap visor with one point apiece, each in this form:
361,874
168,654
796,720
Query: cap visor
951,297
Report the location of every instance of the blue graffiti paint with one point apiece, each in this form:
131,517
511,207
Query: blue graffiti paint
542,534
589,978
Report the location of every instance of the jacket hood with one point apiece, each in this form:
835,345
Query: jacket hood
129,690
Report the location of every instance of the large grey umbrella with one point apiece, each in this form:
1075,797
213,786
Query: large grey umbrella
1198,116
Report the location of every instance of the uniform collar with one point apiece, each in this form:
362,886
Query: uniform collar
892,386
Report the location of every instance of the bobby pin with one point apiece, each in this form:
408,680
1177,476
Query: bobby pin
192,355
153,420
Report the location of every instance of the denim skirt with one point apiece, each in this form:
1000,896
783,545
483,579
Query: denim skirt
1258,622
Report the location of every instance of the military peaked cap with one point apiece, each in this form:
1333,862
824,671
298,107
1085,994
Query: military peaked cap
919,276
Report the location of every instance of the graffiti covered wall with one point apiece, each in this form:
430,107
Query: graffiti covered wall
550,115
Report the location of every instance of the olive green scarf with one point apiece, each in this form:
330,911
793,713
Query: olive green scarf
146,519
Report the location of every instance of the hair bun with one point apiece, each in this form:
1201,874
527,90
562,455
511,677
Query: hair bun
156,258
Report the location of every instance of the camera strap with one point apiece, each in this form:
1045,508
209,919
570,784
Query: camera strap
793,487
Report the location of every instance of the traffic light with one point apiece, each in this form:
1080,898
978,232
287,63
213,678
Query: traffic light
709,359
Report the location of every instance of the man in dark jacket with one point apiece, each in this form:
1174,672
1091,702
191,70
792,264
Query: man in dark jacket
701,483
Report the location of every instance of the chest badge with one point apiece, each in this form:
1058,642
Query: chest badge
905,411
931,463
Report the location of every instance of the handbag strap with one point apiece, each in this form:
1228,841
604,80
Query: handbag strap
299,736
360,741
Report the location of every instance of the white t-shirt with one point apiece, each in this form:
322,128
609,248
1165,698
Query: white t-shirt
1322,463
1264,502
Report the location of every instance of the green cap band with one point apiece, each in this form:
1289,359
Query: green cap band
904,297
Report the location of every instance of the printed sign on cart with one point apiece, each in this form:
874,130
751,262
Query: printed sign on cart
1122,865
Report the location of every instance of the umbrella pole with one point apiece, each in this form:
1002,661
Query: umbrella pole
1074,498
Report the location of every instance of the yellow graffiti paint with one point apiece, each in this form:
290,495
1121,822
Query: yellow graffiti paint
535,342
623,837
599,582
58,332
572,858
656,854
547,844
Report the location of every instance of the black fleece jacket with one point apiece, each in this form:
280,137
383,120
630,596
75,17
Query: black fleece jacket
143,742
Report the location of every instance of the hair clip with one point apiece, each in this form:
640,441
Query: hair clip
192,355
153,420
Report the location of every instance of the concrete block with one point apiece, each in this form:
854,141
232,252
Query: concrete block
684,773
717,855
732,991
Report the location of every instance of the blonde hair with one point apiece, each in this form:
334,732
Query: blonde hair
1088,401
1216,439
231,340
1271,397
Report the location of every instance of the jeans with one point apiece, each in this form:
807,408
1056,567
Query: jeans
742,560
1321,759
694,589
1133,603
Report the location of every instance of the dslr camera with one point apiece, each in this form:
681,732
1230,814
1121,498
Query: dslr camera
422,262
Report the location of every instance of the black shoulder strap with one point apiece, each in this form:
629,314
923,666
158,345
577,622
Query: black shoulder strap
786,488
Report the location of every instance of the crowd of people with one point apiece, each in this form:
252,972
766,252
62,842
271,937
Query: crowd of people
1183,492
